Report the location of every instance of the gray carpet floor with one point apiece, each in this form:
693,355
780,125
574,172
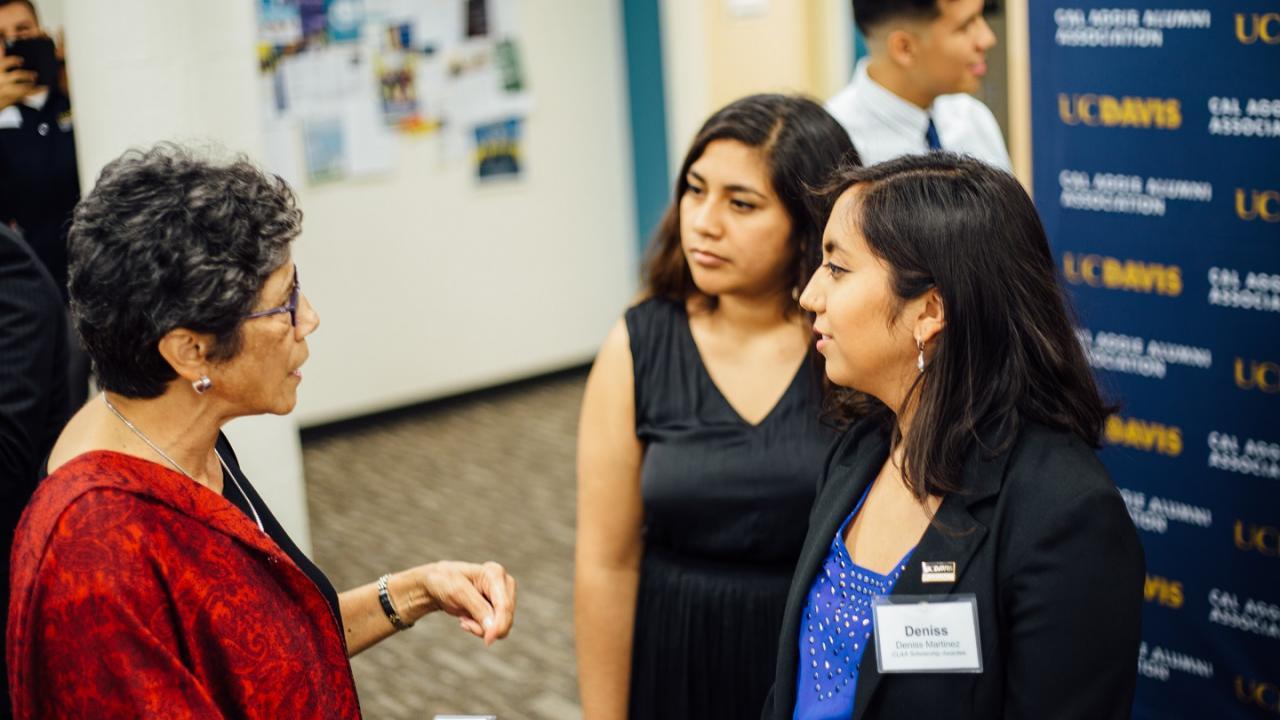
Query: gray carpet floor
480,478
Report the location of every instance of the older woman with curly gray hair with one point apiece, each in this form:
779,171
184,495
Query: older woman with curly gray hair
149,578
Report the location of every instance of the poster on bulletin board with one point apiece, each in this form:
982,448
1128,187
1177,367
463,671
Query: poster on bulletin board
343,81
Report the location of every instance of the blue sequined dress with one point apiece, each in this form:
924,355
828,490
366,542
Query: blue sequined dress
837,628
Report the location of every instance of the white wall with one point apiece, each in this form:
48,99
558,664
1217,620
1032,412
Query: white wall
686,69
426,284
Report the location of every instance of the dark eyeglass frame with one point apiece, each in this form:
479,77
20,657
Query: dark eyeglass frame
291,307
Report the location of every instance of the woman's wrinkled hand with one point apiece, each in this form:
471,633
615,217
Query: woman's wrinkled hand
482,597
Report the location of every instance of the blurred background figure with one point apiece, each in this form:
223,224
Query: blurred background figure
700,440
39,184
33,390
913,93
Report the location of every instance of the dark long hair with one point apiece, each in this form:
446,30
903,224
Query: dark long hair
802,145
1008,354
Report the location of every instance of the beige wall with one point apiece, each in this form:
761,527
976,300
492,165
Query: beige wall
755,53
1018,47
786,48
714,55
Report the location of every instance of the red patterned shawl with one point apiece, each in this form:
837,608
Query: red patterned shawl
139,593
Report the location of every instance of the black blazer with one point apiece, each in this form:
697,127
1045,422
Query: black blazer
33,366
1041,536
33,391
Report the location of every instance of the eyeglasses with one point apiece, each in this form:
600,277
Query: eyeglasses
291,307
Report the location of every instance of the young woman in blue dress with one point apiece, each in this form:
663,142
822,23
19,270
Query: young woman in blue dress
971,477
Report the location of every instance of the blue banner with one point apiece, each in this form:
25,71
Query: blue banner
1156,168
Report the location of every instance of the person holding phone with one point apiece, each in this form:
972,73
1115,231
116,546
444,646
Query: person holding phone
39,181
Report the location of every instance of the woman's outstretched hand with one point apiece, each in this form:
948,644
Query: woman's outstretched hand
482,597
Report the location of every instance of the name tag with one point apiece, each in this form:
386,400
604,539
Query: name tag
937,572
927,633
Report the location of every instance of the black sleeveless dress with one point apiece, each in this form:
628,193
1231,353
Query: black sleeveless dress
726,507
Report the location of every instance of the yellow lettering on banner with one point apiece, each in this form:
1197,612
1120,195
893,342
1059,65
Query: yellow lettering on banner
1262,375
1264,27
1259,693
1064,110
1262,539
1116,274
1143,435
1109,111
1163,592
1258,204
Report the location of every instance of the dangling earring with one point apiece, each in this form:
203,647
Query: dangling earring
202,385
920,357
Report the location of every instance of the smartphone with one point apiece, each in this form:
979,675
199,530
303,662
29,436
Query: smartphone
37,54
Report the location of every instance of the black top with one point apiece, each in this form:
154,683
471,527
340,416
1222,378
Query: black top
716,487
725,510
39,182
271,525
1041,536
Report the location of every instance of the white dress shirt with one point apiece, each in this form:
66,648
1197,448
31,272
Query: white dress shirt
884,126
11,116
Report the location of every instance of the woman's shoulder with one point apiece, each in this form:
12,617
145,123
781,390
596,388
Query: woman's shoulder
654,329
94,493
865,440
1052,475
1056,462
654,310
77,475
856,438
1057,497
86,519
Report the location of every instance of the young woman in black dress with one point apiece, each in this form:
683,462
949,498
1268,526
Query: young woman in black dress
700,441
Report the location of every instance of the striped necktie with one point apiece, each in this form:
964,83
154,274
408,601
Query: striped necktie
931,136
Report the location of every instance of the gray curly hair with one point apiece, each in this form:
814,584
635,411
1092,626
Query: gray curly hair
166,240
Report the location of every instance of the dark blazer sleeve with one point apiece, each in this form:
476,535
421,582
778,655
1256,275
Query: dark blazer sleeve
33,390
33,365
1071,592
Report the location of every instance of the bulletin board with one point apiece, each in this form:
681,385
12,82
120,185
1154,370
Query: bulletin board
352,79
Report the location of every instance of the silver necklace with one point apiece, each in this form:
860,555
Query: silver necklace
142,436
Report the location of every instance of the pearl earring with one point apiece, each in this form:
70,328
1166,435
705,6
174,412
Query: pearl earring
202,385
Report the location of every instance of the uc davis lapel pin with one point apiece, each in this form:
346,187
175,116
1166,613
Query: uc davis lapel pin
937,572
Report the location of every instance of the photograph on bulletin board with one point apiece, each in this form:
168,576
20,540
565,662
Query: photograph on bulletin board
498,150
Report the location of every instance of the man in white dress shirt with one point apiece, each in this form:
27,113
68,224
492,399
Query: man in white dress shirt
910,95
